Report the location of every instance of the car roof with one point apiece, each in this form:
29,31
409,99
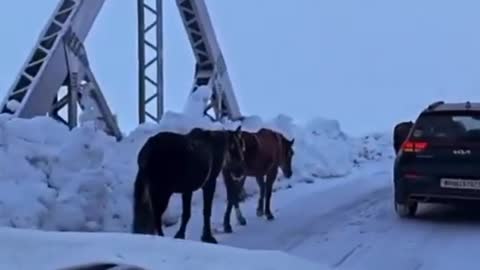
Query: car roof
453,106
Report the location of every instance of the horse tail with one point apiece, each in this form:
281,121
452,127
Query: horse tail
143,219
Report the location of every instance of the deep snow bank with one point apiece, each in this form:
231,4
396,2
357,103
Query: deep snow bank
54,250
82,180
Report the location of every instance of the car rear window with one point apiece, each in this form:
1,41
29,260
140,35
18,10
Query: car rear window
448,125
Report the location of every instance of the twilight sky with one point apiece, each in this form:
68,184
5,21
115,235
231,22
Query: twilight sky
350,60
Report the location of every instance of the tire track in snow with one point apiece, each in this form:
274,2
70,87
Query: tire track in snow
388,242
321,225
360,230
314,215
346,256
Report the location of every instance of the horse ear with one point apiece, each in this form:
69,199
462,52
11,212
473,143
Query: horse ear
292,141
239,129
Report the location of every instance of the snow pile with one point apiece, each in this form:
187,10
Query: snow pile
54,250
374,147
13,105
197,101
328,148
322,150
82,180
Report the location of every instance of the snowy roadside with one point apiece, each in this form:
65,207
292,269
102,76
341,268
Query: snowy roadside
58,250
81,180
312,198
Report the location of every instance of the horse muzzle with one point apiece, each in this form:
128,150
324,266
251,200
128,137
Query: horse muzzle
236,171
237,177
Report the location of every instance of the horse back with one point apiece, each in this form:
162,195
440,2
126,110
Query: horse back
262,151
176,162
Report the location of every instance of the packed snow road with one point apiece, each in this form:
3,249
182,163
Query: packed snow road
352,225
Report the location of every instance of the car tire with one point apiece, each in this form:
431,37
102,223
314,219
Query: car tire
405,210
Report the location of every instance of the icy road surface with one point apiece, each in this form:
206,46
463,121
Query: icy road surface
352,225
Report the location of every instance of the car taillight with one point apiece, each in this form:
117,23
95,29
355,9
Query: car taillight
414,146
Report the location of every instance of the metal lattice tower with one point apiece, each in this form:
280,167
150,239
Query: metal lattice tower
59,60
210,68
150,90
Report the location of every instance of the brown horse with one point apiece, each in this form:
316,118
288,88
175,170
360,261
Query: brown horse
265,151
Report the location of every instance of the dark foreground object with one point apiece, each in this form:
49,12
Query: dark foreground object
103,266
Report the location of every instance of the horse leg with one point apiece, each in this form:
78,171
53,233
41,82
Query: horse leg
261,186
233,190
229,186
160,204
271,176
227,227
186,213
242,194
240,218
239,196
208,192
238,212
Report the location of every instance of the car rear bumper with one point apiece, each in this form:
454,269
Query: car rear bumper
429,190
441,198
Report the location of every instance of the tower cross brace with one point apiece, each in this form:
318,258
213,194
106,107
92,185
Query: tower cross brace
59,60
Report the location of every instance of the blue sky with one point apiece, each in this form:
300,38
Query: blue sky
366,63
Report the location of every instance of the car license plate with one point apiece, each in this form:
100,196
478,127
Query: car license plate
460,183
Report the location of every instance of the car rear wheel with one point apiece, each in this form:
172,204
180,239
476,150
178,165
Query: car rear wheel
406,209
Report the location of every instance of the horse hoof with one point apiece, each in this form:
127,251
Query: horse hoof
227,229
179,236
209,239
242,221
270,217
259,213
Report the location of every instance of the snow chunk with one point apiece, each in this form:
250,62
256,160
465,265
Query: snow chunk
197,101
53,250
326,127
13,105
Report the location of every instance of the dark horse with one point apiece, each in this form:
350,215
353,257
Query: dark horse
400,133
265,151
183,163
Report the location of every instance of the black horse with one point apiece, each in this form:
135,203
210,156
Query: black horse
183,163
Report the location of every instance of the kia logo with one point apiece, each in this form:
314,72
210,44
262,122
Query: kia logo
461,152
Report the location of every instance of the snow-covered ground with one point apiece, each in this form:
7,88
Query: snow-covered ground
336,210
350,223
54,179
53,250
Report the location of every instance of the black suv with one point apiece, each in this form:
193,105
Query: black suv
438,157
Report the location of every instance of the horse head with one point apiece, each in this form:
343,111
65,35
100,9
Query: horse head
235,162
286,156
